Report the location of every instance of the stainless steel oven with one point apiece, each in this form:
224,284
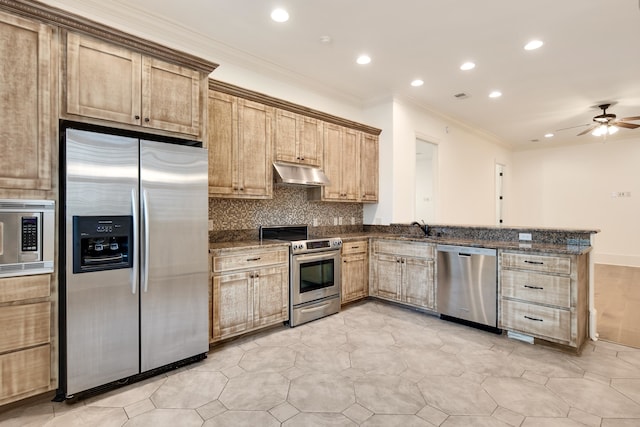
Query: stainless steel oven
314,269
315,279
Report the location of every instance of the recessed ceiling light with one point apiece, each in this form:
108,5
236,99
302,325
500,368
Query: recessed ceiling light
467,66
495,94
417,83
548,135
533,45
280,15
363,59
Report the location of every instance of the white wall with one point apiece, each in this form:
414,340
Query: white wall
571,187
466,165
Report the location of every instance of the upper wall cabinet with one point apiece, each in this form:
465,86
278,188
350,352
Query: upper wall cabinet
27,109
369,171
109,82
240,144
298,139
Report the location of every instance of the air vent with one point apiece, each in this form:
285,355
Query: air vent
461,95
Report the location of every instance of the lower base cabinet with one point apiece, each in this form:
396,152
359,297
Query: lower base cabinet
545,296
25,337
355,271
249,291
403,272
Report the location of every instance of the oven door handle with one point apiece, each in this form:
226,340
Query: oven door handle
316,256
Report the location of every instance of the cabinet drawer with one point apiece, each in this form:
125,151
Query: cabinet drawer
24,325
24,287
24,371
417,250
249,259
554,323
536,287
544,263
360,246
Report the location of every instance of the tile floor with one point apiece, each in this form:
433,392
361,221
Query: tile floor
373,364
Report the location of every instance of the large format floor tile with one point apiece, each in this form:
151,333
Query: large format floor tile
372,364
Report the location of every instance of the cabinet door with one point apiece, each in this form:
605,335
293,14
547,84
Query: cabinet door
24,371
354,277
310,141
254,145
417,283
286,136
170,97
333,140
350,163
222,136
368,168
388,274
27,92
232,304
270,295
103,80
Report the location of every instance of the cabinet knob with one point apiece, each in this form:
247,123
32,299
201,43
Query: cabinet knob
301,158
241,188
146,119
137,117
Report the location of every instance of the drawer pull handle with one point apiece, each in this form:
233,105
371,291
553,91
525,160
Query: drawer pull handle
533,287
355,247
534,262
253,259
533,318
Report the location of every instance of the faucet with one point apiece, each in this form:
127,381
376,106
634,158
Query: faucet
424,227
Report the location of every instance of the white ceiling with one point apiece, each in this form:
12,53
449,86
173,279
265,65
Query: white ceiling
591,53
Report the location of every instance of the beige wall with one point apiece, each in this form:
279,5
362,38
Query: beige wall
571,187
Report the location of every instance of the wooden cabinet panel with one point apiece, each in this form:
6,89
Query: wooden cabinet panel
232,304
271,298
103,80
388,276
310,141
255,174
537,320
539,288
170,97
24,371
350,161
418,282
249,260
24,287
286,136
222,133
407,249
333,139
543,263
27,91
355,277
369,168
24,325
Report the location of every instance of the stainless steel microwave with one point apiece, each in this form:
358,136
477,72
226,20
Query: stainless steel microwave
27,230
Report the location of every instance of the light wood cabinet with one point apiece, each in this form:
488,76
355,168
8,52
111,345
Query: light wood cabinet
27,111
298,139
355,271
25,337
545,296
250,290
109,82
240,144
403,272
369,157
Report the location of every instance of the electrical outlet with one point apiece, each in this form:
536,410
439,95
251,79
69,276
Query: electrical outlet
524,236
339,220
353,220
335,220
315,222
210,224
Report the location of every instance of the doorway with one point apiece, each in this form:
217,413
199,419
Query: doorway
426,180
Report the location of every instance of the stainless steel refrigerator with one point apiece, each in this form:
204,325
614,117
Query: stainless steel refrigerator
135,276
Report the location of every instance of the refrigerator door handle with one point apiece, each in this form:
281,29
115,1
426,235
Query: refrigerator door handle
145,266
134,271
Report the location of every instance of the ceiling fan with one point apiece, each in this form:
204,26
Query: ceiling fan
607,124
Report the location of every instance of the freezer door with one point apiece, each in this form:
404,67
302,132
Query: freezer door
101,329
174,267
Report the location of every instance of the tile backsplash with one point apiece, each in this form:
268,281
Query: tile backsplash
288,206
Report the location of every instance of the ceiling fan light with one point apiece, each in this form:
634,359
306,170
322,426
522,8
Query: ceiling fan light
600,130
612,129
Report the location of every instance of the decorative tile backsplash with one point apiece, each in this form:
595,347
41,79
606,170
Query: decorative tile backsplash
288,206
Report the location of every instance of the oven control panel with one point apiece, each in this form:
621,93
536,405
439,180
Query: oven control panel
316,245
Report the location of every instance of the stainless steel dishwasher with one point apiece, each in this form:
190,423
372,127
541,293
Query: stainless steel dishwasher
467,287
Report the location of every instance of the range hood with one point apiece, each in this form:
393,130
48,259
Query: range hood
300,175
